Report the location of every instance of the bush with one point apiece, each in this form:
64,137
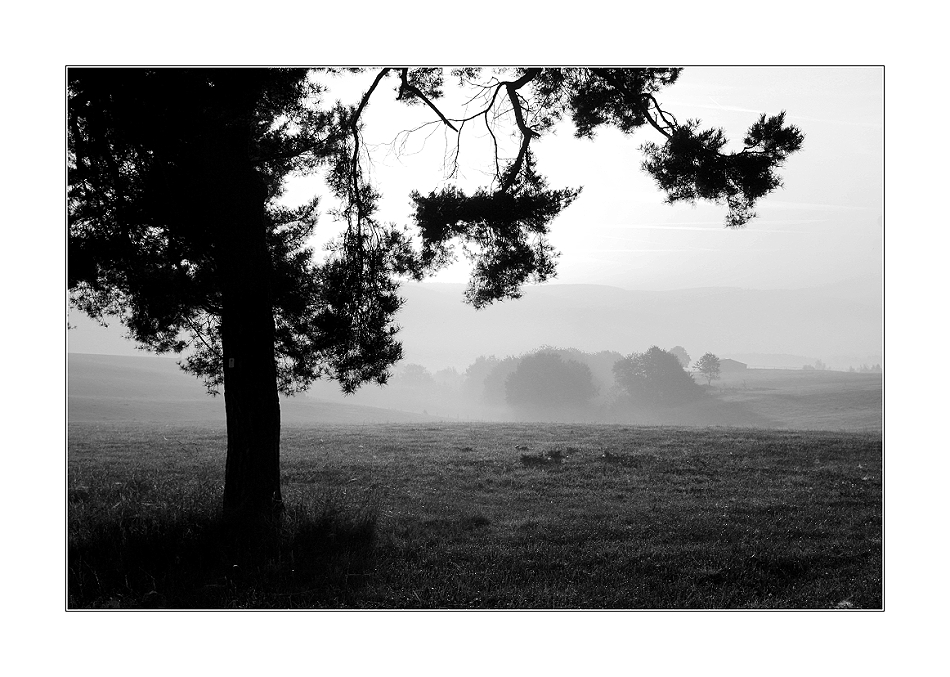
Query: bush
655,377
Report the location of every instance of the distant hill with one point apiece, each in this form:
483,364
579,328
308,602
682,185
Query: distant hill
438,329
841,324
110,388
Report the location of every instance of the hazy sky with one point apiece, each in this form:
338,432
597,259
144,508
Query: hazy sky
823,226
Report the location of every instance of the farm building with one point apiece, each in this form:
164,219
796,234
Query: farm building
725,364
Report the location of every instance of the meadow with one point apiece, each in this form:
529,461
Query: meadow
483,516
809,400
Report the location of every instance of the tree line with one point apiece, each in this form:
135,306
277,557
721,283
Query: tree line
553,383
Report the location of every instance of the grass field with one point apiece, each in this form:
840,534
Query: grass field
484,516
812,400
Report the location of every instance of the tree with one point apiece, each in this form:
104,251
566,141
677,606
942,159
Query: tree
708,367
546,383
655,377
448,378
681,355
494,390
174,226
475,376
415,376
600,364
171,229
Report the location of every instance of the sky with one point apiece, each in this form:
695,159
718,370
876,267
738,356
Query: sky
825,225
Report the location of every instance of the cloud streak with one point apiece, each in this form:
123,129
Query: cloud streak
814,206
695,228
649,251
789,116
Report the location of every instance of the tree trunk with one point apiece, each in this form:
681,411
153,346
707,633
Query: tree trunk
252,473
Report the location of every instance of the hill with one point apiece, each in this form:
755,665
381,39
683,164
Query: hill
764,328
110,388
439,330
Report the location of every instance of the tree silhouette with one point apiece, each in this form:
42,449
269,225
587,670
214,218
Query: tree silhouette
655,377
174,226
475,376
547,384
708,367
494,391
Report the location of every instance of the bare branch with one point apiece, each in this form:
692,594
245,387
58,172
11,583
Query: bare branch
198,333
494,141
670,126
405,85
518,107
354,127
458,151
526,132
484,111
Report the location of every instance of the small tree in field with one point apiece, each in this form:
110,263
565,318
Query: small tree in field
708,367
655,377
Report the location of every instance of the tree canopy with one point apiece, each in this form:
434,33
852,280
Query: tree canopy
151,194
681,355
655,377
544,382
176,229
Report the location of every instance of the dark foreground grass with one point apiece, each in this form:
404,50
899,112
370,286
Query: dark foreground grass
145,544
484,516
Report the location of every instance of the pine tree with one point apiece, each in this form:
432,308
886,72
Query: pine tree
174,226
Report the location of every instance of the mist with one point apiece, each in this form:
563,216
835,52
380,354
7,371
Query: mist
797,351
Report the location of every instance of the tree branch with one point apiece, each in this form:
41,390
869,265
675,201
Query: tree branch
354,127
662,113
405,85
526,132
197,332
494,141
518,108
